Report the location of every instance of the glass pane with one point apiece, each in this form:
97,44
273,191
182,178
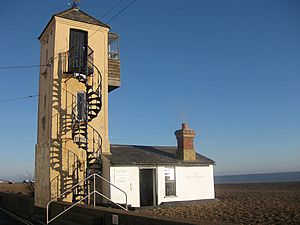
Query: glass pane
170,181
170,188
113,46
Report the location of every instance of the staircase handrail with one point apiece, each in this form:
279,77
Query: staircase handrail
89,56
88,195
94,130
99,74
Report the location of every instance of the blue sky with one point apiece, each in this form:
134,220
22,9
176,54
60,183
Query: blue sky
231,69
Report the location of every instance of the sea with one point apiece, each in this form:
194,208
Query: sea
259,178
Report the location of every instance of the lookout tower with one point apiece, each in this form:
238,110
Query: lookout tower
82,67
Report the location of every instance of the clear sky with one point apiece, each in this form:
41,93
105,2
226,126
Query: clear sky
231,69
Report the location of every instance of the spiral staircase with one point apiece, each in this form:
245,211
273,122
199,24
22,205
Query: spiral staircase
87,138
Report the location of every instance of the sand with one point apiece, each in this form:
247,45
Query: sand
270,203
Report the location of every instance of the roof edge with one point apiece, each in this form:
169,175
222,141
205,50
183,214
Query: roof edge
58,15
164,164
39,37
100,23
137,145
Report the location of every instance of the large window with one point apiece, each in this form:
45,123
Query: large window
81,105
170,181
113,46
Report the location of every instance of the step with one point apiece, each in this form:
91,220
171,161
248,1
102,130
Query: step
79,75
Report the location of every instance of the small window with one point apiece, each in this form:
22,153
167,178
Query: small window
43,122
46,56
45,102
81,105
170,181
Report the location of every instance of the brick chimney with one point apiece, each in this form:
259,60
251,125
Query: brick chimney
185,143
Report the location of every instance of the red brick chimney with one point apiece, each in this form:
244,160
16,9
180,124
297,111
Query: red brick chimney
185,143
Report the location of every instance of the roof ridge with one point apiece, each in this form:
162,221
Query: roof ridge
89,19
61,14
138,145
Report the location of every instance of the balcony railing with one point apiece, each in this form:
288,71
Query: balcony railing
113,62
81,64
79,60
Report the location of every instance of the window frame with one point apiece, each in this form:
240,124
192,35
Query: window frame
81,111
170,185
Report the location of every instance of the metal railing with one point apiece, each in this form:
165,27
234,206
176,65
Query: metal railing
96,137
93,193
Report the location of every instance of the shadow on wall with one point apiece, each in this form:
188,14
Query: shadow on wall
62,125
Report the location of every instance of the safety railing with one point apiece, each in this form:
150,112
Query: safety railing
93,193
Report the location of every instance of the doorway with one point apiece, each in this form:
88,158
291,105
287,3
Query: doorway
77,51
148,190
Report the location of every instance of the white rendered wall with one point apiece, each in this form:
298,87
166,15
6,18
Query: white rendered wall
127,179
192,183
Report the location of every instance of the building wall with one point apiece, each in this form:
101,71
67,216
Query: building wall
42,148
56,153
127,179
192,183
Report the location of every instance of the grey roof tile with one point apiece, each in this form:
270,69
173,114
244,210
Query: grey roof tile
151,155
77,15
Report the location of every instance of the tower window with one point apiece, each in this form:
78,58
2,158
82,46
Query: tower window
113,46
81,105
46,56
43,122
45,102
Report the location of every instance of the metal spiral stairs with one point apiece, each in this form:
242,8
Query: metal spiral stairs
83,134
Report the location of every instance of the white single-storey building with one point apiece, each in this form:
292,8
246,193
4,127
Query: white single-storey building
153,175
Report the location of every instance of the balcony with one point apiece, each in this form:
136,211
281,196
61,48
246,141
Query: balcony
113,62
78,61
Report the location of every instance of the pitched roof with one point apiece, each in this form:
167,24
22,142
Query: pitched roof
77,15
151,155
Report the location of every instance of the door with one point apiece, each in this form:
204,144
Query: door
148,193
77,51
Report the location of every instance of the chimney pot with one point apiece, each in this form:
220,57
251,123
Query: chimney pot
184,126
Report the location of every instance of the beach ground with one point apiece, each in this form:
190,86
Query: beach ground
264,203
268,203
14,188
